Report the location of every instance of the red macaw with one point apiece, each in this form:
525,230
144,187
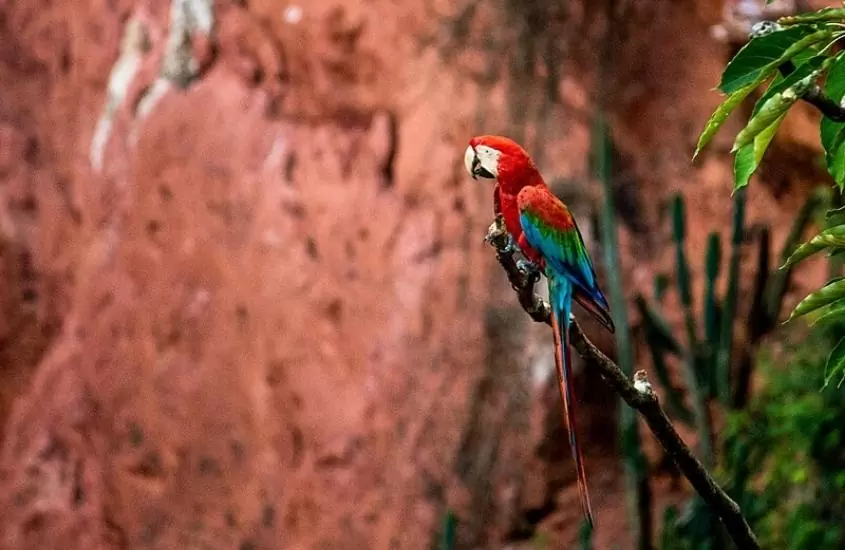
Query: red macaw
547,235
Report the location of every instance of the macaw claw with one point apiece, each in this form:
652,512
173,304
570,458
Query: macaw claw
510,248
529,269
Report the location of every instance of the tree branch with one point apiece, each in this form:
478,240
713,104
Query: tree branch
815,97
637,393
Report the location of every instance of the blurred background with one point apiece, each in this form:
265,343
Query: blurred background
245,301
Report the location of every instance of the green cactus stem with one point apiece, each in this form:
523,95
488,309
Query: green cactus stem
636,466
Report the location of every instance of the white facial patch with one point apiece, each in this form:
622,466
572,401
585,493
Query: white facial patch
489,159
484,157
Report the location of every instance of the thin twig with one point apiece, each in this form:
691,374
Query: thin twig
637,393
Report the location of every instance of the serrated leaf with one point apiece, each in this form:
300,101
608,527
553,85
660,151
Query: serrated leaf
835,364
762,56
720,115
828,294
832,237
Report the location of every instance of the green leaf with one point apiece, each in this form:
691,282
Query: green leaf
720,115
833,141
778,99
824,14
832,237
744,166
762,55
832,313
748,157
835,364
833,133
835,216
826,295
750,153
834,85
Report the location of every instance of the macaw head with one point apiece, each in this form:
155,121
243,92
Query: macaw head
502,160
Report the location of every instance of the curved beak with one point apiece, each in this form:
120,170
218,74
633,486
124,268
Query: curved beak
471,161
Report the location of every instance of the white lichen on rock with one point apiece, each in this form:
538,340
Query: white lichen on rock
186,17
146,105
135,44
178,67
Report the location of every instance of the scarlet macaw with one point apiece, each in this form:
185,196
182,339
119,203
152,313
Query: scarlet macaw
547,235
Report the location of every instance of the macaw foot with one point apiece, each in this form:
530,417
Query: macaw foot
502,242
529,269
511,247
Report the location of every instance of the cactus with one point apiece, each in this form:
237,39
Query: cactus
661,341
636,466
697,353
708,360
585,537
770,286
449,528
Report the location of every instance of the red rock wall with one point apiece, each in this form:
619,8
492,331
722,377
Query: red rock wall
257,312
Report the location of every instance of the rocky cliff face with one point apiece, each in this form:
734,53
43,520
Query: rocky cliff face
245,301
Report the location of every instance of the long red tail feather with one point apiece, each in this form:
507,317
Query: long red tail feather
563,362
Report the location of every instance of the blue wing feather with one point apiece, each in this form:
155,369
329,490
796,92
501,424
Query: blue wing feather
565,254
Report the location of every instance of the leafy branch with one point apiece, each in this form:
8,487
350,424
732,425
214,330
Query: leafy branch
637,393
793,55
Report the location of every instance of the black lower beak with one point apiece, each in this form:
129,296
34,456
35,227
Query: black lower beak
484,173
478,170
